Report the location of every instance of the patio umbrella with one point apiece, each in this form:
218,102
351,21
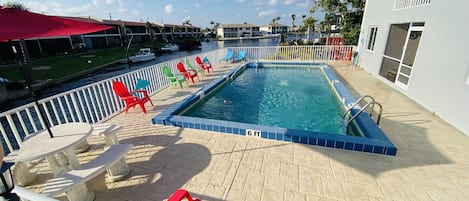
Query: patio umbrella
17,24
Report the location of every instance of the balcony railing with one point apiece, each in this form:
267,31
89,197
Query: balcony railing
403,4
97,102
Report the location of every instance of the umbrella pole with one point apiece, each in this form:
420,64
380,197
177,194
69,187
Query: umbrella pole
28,80
127,50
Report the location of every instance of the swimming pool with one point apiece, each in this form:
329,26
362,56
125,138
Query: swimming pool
372,139
286,97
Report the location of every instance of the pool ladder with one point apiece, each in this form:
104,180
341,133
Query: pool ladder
346,118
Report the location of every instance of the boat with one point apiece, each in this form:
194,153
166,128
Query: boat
170,47
144,54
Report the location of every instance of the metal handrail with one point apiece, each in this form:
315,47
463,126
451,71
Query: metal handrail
372,103
357,102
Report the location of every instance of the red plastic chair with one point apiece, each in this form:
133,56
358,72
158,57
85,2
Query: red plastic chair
130,100
188,74
206,66
180,195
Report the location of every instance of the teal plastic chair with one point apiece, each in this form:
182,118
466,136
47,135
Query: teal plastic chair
241,56
228,56
197,68
142,84
173,80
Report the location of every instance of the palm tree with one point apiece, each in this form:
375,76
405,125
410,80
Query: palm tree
309,22
187,22
149,29
275,20
293,17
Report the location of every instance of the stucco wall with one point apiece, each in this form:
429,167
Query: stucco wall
441,66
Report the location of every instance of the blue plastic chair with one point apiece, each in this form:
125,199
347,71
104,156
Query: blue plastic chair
241,56
228,56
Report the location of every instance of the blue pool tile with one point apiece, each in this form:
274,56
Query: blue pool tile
264,134
229,130
312,141
236,130
279,136
303,140
203,126
348,146
368,148
391,151
185,124
378,149
330,143
242,132
216,128
197,126
209,127
191,125
272,136
358,147
287,138
295,139
321,142
339,144
222,129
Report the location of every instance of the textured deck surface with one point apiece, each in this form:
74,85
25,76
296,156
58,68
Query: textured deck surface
431,164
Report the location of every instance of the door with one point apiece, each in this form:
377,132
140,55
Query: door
400,53
408,57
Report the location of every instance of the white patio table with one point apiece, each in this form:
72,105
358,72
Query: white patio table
57,150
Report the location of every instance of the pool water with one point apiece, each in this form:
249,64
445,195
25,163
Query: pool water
287,97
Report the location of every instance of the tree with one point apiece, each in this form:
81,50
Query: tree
275,20
149,30
309,23
187,22
15,5
351,12
293,17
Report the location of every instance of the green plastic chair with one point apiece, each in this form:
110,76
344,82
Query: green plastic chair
173,80
197,68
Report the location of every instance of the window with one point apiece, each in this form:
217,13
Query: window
372,38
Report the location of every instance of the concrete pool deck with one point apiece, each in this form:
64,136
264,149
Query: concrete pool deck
431,163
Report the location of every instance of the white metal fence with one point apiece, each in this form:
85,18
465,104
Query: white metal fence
97,102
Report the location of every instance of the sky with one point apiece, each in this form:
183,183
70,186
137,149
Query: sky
199,12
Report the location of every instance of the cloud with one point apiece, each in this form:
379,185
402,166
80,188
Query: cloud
288,2
122,10
257,2
135,13
79,10
168,9
238,16
268,12
304,4
197,5
54,8
240,1
273,2
110,2
185,11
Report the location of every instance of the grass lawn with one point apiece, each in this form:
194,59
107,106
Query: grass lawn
59,66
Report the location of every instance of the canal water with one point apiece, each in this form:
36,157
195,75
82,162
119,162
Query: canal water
123,68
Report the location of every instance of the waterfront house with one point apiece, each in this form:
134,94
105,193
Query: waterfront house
420,48
274,28
227,31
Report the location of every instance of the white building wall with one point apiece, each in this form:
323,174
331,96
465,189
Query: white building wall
440,73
